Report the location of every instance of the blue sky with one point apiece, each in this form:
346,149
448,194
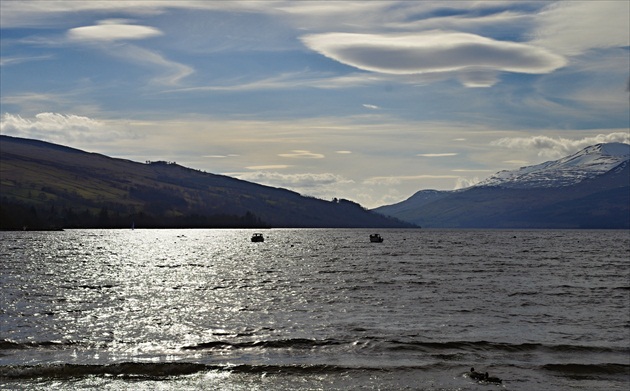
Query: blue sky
369,101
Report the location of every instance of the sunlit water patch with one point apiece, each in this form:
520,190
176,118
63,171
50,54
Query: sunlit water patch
314,309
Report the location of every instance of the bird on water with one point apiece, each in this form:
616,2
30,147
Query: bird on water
491,379
476,375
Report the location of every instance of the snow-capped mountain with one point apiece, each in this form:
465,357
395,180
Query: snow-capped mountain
585,164
589,189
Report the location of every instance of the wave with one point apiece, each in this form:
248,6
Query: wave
12,345
97,287
498,346
447,351
365,343
296,343
589,369
165,370
135,370
148,370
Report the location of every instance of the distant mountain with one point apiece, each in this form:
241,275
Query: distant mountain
44,185
589,189
588,163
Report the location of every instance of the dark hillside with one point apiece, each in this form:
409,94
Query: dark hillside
48,185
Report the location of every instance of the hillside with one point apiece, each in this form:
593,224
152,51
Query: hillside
44,185
590,189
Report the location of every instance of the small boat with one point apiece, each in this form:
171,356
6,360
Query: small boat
376,238
258,238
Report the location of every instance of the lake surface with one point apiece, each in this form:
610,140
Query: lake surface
314,309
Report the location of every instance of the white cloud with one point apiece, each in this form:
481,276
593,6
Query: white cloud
32,102
559,147
396,180
268,167
517,162
474,57
171,72
112,30
437,154
109,34
572,27
44,13
52,127
302,154
5,61
478,79
220,156
371,107
298,182
48,122
289,80
471,170
462,183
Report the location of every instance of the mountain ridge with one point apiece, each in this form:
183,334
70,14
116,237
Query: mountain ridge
49,185
587,163
588,189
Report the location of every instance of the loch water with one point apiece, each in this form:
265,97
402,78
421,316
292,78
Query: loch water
314,309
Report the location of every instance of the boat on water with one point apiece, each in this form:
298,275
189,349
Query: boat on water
376,238
258,238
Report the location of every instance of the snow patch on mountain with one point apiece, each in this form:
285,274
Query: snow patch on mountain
585,164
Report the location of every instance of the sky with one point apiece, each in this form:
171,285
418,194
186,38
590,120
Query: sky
369,101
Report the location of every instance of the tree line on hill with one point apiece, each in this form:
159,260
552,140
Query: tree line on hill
20,216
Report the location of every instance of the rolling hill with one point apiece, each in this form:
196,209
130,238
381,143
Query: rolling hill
44,185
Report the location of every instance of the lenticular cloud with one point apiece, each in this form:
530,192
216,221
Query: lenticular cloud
434,52
112,30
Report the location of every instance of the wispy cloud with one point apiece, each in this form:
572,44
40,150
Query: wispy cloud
294,181
111,35
397,179
286,80
169,72
6,61
471,170
220,156
437,154
268,167
516,162
46,13
302,154
573,27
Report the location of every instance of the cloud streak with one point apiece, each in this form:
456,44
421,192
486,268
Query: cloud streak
437,154
474,56
295,181
573,27
302,154
111,35
6,61
398,179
